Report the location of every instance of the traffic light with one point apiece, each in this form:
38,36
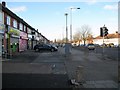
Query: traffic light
101,32
105,31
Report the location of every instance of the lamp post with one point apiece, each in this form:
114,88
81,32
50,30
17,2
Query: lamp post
71,23
66,45
66,28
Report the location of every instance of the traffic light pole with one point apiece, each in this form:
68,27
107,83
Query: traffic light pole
103,37
103,44
103,33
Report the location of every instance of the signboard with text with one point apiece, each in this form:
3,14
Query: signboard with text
14,31
2,28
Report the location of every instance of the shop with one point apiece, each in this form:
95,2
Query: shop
34,41
13,40
29,41
23,41
2,28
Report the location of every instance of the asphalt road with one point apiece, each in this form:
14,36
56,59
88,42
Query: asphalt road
112,53
27,80
56,68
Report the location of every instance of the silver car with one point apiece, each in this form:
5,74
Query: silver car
91,46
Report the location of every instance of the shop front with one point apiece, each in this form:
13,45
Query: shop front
2,28
34,41
23,41
29,41
13,42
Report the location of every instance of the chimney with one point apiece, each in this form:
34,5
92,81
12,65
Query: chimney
4,3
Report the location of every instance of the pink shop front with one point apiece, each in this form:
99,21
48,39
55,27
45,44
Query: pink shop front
23,41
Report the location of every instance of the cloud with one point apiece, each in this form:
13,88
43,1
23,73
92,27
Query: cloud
19,9
111,7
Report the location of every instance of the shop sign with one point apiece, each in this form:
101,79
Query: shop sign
14,31
2,28
23,35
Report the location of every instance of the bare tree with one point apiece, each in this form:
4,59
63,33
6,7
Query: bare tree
85,32
77,37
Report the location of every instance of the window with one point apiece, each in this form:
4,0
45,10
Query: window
24,28
0,16
8,20
29,30
15,23
21,26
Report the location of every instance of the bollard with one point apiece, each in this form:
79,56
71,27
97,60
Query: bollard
79,74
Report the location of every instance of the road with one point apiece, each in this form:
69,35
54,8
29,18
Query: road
112,53
57,64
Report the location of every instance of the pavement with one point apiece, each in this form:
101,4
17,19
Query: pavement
56,69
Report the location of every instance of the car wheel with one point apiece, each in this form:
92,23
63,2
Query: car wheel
52,50
36,49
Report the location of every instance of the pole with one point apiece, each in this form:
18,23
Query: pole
66,29
71,25
103,38
66,45
103,43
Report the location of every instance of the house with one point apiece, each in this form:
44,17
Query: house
16,35
110,38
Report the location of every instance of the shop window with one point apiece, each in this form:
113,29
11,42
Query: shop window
0,16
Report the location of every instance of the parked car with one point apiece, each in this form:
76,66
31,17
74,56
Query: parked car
91,46
111,44
103,45
45,47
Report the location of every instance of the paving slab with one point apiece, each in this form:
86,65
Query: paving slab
100,84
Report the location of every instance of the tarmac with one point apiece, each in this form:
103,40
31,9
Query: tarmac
23,71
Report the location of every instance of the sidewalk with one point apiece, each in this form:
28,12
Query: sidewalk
94,74
22,57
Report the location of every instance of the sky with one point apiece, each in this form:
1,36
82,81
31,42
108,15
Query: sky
49,17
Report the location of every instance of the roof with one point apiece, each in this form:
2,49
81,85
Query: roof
6,10
113,35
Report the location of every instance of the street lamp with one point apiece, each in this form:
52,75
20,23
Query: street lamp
66,28
66,45
71,23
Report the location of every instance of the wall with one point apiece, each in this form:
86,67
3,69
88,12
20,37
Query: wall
107,41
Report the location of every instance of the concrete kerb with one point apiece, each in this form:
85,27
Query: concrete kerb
78,80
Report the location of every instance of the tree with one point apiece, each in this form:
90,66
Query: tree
85,32
77,37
